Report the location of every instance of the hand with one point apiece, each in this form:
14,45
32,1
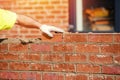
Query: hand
47,29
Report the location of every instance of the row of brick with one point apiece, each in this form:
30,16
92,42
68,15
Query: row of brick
54,76
60,67
66,58
62,47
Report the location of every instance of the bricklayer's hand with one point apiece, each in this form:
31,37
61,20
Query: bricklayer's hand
47,29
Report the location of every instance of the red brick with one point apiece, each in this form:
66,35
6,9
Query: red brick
50,7
18,47
55,2
30,76
111,69
9,56
56,38
9,75
87,48
3,47
75,38
117,37
76,77
64,67
24,31
88,68
100,38
40,67
32,36
12,36
30,56
3,65
44,2
52,57
19,66
40,47
117,59
100,77
110,48
34,31
75,58
52,76
13,31
56,12
101,59
117,78
63,48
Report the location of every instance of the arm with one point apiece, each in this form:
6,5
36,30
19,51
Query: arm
31,23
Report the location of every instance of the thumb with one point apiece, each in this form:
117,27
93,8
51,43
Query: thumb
48,33
52,28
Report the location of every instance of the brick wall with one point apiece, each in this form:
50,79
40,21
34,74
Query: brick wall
51,12
71,56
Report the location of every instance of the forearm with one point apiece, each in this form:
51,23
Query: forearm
27,22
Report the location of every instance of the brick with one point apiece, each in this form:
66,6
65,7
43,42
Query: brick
63,48
52,57
64,67
117,78
40,47
53,76
19,66
55,12
55,2
117,37
100,77
111,69
50,7
101,59
30,76
88,68
101,38
75,38
23,31
117,59
9,75
9,56
32,36
87,48
30,57
18,48
34,31
3,47
76,77
13,31
56,38
44,2
75,58
3,65
40,67
110,48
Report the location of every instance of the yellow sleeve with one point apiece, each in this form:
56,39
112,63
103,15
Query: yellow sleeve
7,19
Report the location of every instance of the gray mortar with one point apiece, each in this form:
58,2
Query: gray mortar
17,40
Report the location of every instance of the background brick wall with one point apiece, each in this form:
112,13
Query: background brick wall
70,56
51,12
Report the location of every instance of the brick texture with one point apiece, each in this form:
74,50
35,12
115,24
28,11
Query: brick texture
61,58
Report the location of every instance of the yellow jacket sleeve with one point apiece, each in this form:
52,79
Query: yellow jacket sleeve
7,19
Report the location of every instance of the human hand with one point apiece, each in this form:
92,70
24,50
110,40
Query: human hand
47,29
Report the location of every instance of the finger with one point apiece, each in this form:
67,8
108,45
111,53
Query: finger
56,29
